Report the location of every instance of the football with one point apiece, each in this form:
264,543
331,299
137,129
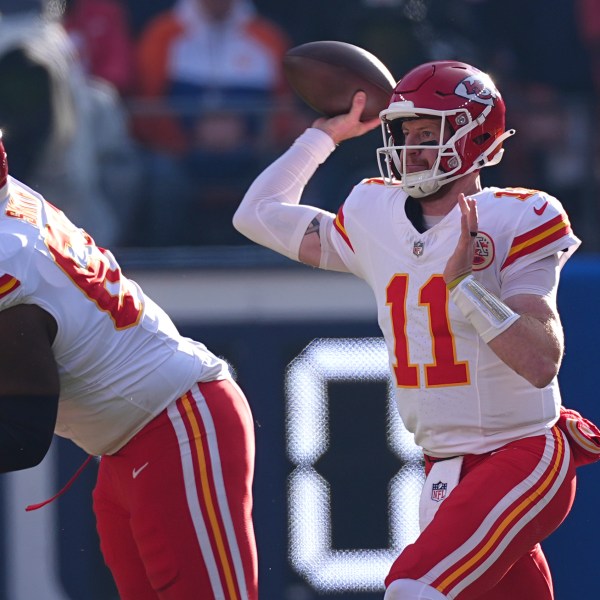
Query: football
327,74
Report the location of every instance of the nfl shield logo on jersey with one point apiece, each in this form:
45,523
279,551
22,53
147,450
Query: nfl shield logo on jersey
418,248
438,491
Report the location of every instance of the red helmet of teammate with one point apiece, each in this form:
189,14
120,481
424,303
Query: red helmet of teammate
471,112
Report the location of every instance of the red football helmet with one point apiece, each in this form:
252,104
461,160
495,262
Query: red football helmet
467,102
3,164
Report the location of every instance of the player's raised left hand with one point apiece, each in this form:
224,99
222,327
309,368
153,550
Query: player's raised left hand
460,264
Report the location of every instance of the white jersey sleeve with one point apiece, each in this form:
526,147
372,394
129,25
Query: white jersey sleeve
120,359
541,228
369,190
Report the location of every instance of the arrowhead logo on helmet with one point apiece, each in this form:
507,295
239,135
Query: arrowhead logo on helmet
475,89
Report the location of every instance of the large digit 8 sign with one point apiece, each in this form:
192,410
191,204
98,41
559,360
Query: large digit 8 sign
311,554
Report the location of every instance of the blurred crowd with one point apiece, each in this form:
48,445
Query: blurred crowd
146,121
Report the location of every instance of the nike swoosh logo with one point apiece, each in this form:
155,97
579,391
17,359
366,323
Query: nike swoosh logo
540,211
136,472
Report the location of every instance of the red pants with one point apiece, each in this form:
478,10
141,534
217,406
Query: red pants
484,540
174,505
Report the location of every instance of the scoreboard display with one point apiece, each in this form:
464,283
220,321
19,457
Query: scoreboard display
338,477
339,399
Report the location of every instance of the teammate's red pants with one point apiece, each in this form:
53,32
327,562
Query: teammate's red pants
174,505
484,540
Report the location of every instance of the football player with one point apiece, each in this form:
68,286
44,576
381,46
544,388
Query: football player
465,280
87,355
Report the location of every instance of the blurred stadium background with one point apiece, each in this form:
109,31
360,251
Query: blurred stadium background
336,475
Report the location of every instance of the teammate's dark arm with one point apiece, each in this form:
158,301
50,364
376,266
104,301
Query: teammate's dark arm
29,386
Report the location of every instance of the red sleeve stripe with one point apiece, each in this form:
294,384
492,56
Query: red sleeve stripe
339,225
538,238
8,283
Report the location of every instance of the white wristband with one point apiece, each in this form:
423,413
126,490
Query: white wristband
487,313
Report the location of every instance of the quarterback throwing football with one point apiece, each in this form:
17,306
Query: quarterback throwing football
465,279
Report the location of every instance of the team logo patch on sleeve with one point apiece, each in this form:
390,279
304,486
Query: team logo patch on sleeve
8,284
484,251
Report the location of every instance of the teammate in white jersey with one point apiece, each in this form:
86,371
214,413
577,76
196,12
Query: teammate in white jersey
86,354
465,280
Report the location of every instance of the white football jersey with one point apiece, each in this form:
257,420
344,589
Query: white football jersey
120,358
453,392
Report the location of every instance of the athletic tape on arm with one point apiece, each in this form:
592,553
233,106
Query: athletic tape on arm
487,313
